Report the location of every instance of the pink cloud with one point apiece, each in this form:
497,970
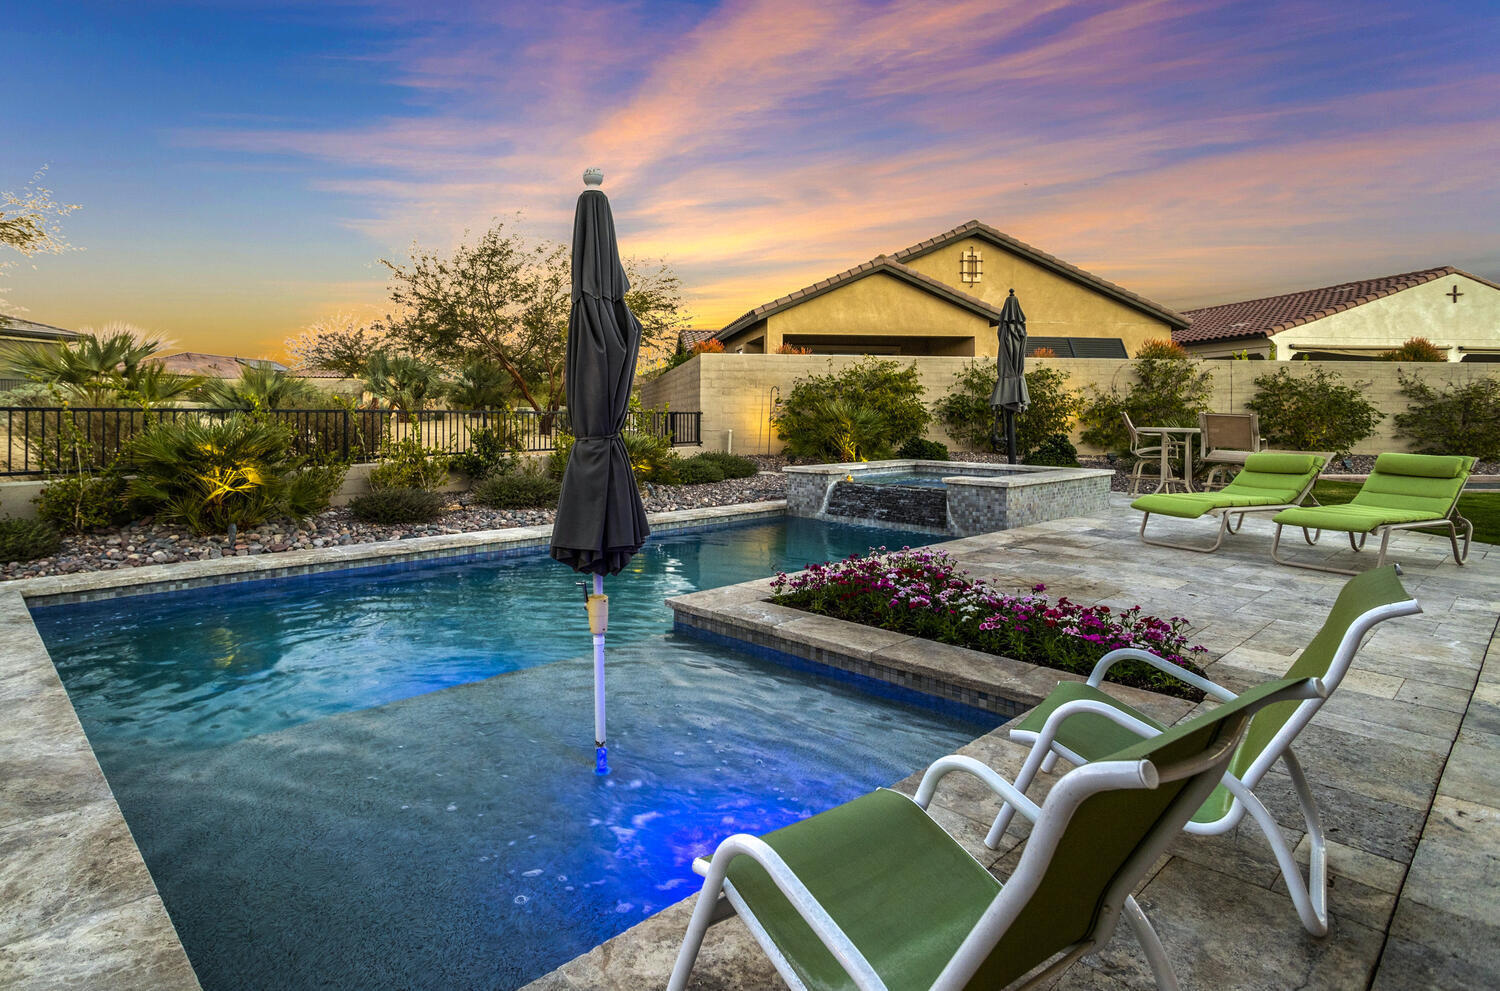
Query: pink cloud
768,143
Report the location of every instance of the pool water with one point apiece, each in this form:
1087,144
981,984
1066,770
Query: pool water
382,778
901,478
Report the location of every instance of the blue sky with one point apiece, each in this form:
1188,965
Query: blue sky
240,167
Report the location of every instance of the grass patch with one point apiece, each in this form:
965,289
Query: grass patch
1480,508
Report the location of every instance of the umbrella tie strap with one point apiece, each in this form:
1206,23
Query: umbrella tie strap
597,436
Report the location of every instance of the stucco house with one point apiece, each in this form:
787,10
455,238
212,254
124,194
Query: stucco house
942,296
14,329
221,366
1458,312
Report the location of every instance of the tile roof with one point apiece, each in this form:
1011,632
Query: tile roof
975,228
16,327
879,264
213,365
693,335
1273,314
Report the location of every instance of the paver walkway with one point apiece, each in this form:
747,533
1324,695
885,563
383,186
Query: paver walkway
1401,759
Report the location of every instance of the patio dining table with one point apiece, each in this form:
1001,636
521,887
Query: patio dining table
1170,436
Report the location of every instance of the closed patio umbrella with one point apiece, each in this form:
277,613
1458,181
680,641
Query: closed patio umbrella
600,520
1010,396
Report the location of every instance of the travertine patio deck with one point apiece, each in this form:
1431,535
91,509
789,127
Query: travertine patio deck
1401,759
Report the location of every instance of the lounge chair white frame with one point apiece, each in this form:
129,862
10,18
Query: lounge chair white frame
1050,821
1310,895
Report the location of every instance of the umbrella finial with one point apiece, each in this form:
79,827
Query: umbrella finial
593,177
1012,292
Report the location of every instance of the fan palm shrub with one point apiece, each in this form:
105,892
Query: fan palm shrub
405,382
213,473
481,385
101,368
262,387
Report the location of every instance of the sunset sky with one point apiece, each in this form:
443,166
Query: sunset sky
242,166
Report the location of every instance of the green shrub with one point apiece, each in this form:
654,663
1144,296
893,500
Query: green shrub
861,413
1415,349
965,411
696,471
75,503
210,474
1461,419
312,487
408,505
1055,451
732,465
924,450
490,453
27,540
1165,392
518,490
406,464
651,458
1313,412
1161,347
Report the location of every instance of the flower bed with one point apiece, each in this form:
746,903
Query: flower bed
923,593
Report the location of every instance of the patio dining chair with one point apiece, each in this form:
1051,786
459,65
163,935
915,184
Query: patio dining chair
1080,723
1144,451
874,894
1227,439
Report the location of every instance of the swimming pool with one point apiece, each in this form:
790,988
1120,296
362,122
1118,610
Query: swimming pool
382,778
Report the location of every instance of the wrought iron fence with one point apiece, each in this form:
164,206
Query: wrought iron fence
41,439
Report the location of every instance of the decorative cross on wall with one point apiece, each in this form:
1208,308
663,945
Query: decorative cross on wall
1453,294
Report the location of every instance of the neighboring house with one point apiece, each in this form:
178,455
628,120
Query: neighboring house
220,366
693,336
943,296
14,330
1458,312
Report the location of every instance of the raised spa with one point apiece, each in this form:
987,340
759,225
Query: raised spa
956,498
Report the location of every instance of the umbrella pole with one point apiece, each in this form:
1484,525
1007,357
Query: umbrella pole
1010,436
598,622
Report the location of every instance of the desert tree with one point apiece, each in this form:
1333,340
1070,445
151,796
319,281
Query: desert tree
340,343
502,299
30,223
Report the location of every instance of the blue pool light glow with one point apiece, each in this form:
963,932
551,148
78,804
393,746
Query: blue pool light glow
378,778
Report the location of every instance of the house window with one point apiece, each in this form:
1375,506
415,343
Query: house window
970,267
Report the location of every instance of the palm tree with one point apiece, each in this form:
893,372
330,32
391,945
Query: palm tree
405,382
262,387
102,368
151,385
481,385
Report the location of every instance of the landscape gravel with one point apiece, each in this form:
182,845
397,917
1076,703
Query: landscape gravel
148,541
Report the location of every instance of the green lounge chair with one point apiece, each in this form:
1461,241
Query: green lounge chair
875,895
1268,483
1080,723
1404,492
